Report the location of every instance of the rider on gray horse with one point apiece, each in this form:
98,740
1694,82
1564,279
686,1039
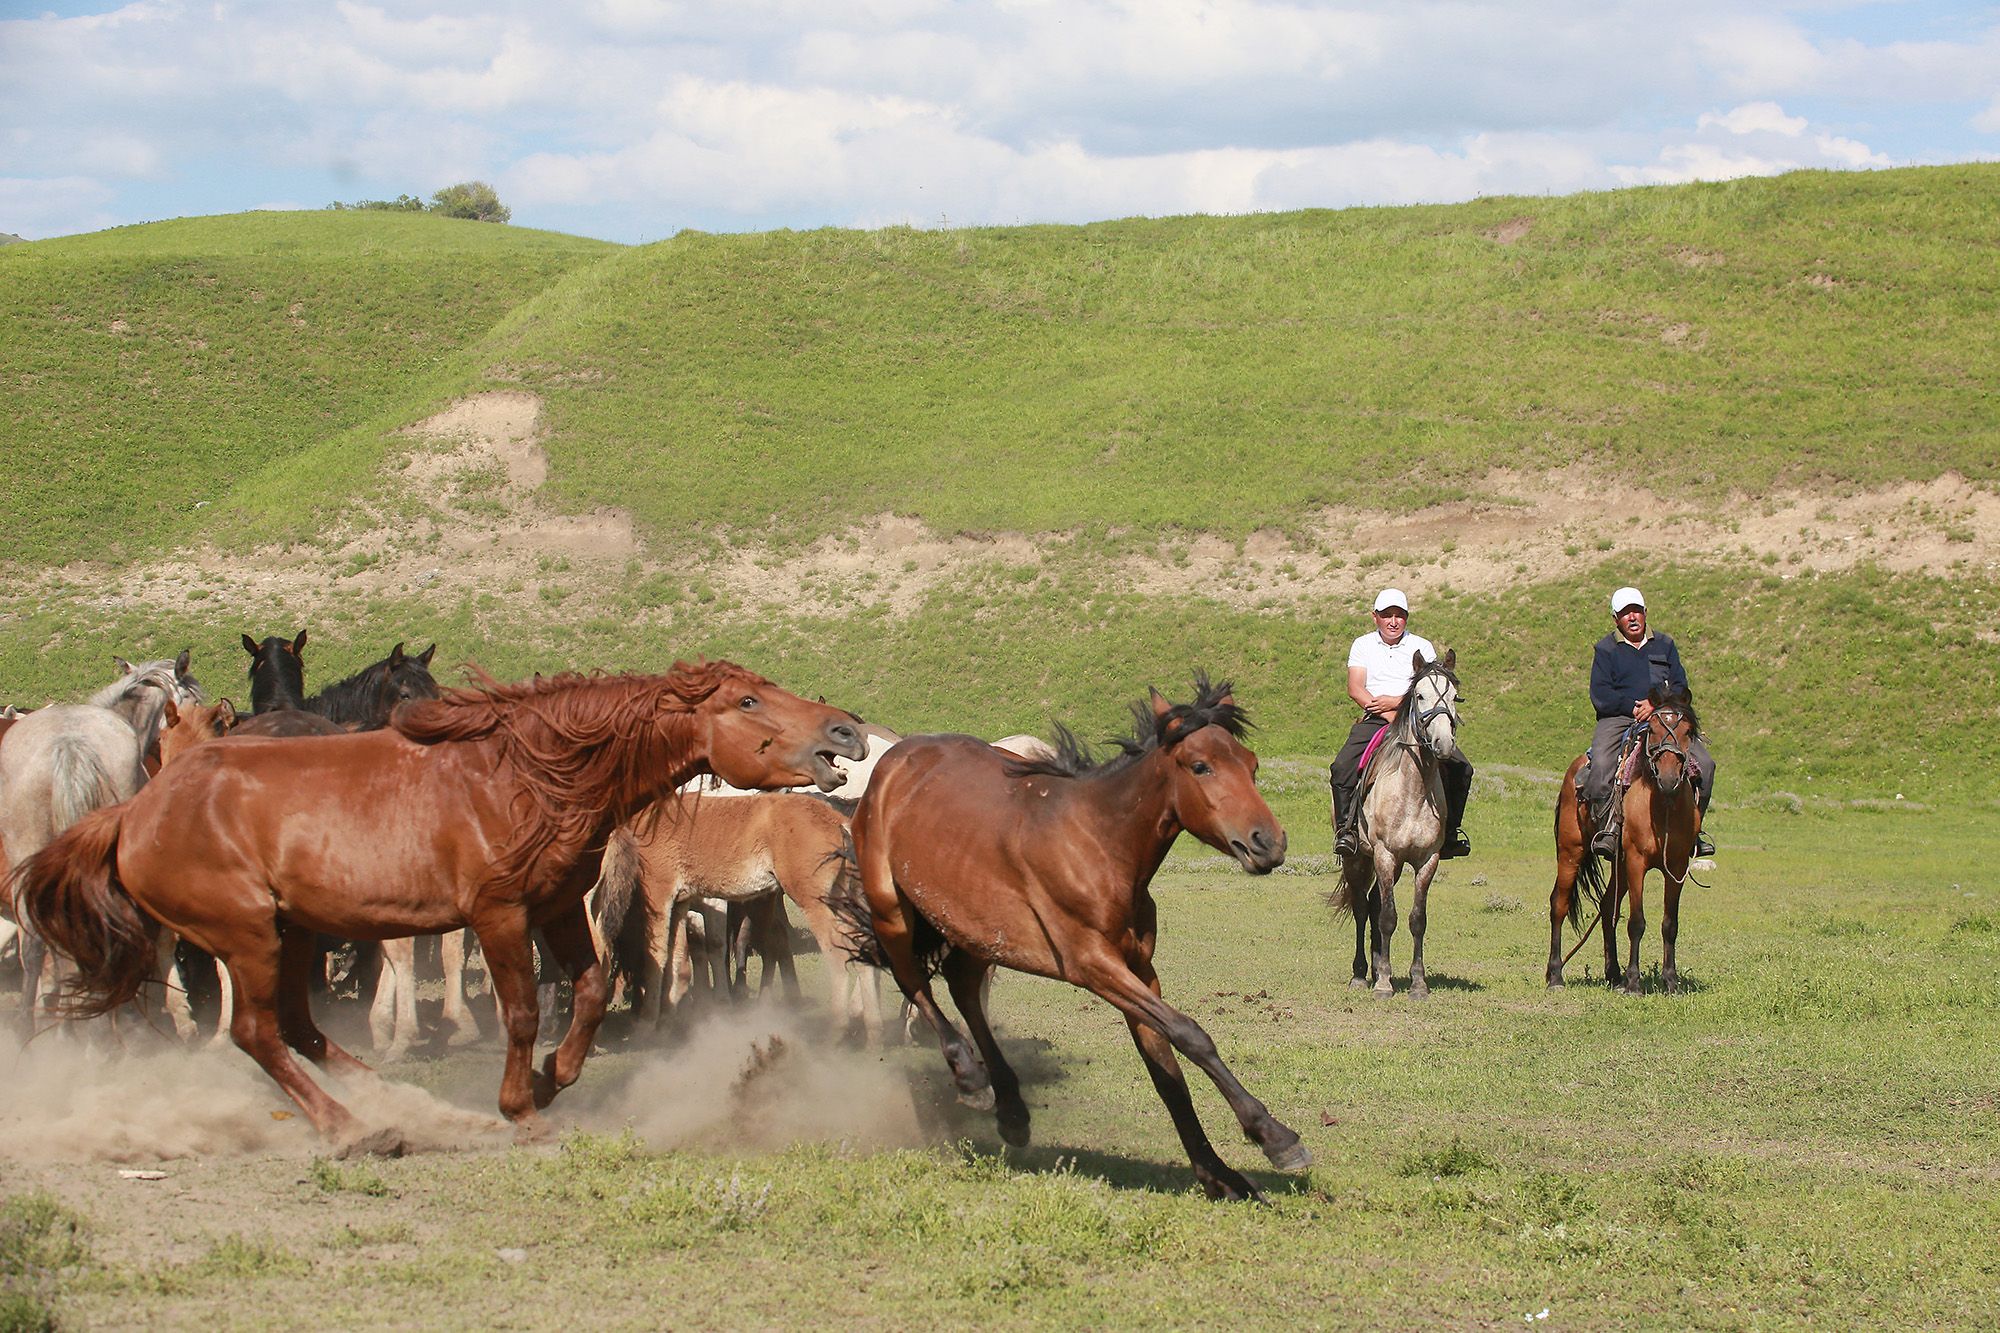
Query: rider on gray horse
1629,662
1379,668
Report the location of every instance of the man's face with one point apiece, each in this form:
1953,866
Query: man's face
1391,623
1632,623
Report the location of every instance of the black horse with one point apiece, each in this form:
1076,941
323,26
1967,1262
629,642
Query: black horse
361,702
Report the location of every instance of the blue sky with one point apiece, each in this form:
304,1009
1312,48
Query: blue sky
632,119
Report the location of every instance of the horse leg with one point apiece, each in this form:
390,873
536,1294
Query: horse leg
975,1089
775,932
967,977
174,998
1362,908
1560,897
255,973
654,966
457,1013
1608,919
1420,896
1386,870
1635,872
510,960
392,1018
568,937
1137,996
1670,931
298,955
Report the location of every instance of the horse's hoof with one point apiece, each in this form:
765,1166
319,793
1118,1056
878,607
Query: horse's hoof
1420,992
531,1129
1014,1131
1357,984
979,1099
1385,992
462,1037
1557,984
375,1143
1294,1156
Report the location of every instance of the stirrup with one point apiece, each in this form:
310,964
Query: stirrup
1347,841
1702,846
1605,841
1456,845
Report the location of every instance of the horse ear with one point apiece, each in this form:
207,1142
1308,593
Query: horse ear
170,716
396,654
1417,663
1451,659
181,661
1159,702
225,713
249,645
298,645
424,657
124,667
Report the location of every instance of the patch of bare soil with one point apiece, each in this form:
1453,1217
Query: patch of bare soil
461,514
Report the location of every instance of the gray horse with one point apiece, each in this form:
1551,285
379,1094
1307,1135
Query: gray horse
61,762
1401,824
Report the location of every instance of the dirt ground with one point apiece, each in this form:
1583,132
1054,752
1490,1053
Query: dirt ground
490,446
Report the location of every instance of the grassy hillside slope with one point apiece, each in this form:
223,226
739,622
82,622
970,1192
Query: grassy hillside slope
1123,385
149,369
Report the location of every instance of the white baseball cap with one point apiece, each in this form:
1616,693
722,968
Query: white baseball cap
1625,597
1389,597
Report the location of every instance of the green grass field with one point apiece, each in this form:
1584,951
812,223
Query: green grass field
1809,1136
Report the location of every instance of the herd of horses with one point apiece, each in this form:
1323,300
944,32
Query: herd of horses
567,812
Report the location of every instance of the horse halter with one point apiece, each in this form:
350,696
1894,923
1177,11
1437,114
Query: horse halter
1667,744
1445,706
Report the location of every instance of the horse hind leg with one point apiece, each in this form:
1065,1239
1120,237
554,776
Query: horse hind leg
569,939
392,1018
967,977
458,1014
1635,928
255,967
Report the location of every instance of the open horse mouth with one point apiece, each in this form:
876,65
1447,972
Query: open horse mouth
843,742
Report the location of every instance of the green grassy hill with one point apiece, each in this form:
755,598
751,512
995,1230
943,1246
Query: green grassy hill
234,385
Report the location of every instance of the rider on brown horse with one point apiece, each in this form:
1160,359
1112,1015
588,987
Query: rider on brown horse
1629,662
1379,668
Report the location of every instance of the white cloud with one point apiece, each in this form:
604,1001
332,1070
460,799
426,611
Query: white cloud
1753,118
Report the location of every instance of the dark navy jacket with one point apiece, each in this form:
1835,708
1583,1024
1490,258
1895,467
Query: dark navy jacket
1621,675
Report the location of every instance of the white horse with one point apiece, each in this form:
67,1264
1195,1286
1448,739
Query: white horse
62,762
1401,823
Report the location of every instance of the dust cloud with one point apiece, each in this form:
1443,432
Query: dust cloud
757,1081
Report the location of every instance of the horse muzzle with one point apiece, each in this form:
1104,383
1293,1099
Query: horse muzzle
1261,851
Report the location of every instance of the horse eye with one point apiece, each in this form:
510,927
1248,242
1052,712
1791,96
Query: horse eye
1201,768
749,701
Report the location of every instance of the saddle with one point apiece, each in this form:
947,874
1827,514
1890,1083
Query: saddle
1628,769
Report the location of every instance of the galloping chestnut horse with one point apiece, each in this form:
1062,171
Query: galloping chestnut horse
1660,822
486,808
1044,867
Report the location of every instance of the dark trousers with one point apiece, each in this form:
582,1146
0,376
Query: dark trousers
1344,775
1605,743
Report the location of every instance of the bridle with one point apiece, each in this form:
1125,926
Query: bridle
1668,743
1446,706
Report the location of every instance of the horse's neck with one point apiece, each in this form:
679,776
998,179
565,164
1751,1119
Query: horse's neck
143,710
349,700
1138,805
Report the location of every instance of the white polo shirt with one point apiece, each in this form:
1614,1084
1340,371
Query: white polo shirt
1389,667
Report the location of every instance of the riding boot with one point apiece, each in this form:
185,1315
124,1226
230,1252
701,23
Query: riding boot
1605,842
1346,841
1457,789
1702,846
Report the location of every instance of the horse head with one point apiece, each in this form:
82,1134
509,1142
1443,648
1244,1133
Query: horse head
1670,730
757,735
1213,776
277,672
403,678
189,725
1433,704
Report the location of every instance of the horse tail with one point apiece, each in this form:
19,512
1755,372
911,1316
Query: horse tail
79,782
1356,877
69,895
1589,876
617,890
852,916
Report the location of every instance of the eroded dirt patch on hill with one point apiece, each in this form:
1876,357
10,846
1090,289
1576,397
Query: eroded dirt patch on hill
461,515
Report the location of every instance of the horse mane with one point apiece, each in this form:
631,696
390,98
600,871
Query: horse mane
354,700
1674,696
1212,707
158,675
578,744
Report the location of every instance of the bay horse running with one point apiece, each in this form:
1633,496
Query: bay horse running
1659,821
739,849
1401,823
970,858
486,807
